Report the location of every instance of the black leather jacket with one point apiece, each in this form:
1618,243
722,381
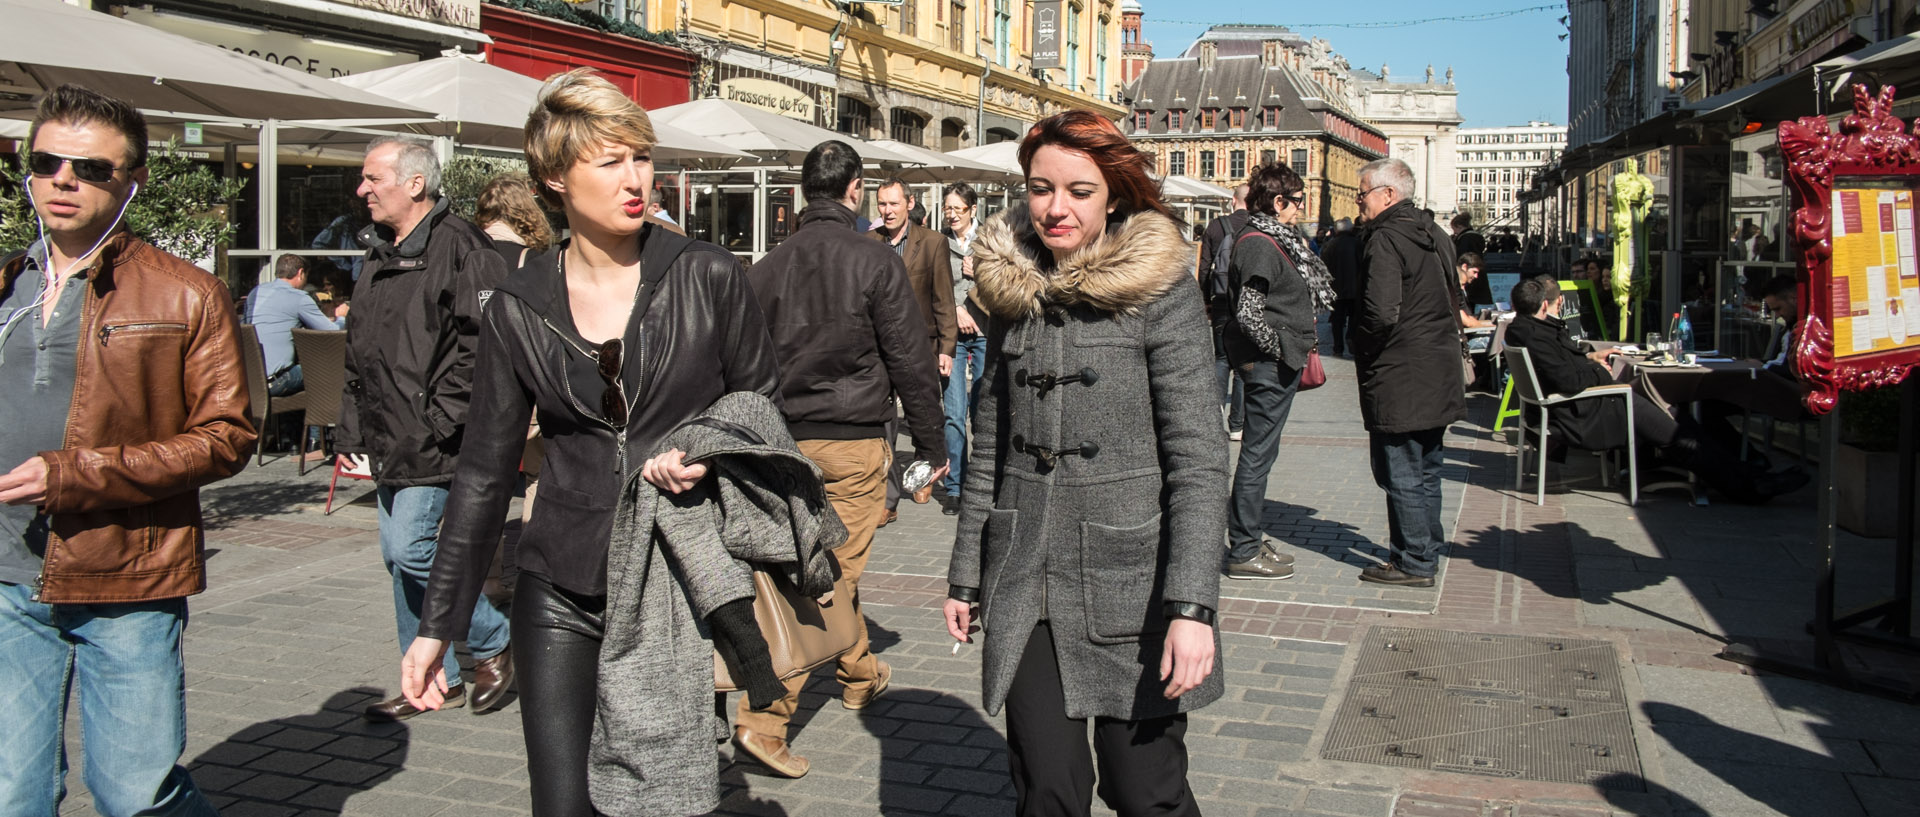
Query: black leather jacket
700,337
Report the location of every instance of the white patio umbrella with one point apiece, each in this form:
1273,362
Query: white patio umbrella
770,136
481,104
48,42
1003,155
1187,188
944,167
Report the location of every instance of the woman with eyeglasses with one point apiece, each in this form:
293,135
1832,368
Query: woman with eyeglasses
1279,285
613,339
1091,517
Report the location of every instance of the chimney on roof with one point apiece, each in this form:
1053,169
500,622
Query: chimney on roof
1270,54
1209,50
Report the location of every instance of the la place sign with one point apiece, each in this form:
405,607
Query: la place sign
768,95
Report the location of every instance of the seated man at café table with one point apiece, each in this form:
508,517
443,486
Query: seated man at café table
1562,367
1774,389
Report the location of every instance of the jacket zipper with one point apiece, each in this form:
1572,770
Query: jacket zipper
107,332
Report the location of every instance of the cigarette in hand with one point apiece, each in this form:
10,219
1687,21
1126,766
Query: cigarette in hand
956,648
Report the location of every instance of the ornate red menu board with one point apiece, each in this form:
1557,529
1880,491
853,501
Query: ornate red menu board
1854,218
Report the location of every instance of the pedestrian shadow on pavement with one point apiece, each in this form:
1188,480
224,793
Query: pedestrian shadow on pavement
314,762
938,754
1789,780
1298,526
236,501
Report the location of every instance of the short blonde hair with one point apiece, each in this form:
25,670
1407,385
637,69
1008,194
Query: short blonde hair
575,113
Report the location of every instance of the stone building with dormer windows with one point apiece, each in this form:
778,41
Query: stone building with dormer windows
1243,95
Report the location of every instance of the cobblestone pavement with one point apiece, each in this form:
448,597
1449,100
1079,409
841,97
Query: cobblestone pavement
296,635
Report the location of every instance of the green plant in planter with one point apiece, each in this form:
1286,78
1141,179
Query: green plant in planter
177,210
1870,420
465,176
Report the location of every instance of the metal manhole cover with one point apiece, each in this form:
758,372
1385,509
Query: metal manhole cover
1525,707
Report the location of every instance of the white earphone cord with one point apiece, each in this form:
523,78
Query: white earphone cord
52,274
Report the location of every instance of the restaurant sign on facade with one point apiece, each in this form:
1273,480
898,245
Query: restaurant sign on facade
306,54
1813,27
1046,34
462,13
768,95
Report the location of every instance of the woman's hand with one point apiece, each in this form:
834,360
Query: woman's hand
965,320
1187,658
959,615
424,656
669,474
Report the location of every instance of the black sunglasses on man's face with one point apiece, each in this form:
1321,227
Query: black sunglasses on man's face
97,171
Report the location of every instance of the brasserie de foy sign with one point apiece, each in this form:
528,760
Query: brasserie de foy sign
768,95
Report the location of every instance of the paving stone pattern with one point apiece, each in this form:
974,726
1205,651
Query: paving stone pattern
296,636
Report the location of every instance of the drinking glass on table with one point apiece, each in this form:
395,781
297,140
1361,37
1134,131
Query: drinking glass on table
1654,345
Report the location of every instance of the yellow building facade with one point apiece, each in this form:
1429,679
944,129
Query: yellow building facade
941,74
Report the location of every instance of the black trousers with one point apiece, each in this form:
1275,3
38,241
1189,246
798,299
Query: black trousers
556,645
1342,316
1142,764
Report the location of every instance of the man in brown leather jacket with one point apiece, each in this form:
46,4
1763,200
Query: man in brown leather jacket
123,392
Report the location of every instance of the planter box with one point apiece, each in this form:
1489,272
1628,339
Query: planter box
1867,484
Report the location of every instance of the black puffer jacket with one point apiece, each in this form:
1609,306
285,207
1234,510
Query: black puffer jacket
410,346
699,337
1406,337
849,333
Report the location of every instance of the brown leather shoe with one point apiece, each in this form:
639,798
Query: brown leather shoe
771,752
857,699
891,516
491,678
397,708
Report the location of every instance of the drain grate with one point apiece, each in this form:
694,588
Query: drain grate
1523,707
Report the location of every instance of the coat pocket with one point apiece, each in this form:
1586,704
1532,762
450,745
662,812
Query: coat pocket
1120,580
997,542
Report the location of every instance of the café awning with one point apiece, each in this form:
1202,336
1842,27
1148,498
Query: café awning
944,167
480,104
1186,188
1003,155
770,136
48,42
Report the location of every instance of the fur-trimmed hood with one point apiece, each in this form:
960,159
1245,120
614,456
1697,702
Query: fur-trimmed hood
1129,266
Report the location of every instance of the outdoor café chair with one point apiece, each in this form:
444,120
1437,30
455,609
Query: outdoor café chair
261,406
323,364
1526,387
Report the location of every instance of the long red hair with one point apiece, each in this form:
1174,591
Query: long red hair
1123,166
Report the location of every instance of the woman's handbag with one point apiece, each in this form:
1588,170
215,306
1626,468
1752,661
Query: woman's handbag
801,633
1312,376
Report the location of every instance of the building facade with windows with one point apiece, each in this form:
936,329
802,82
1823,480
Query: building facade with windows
941,74
1419,118
1494,166
1242,96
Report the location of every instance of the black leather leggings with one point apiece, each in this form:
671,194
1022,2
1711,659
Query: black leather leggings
556,647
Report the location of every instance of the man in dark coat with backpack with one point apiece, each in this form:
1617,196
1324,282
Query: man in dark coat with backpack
1216,246
1406,348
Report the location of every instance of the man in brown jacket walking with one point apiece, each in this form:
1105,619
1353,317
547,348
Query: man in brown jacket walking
123,392
925,254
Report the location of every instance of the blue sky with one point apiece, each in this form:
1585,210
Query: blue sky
1509,70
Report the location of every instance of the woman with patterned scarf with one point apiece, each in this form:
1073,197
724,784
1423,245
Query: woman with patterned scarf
1279,285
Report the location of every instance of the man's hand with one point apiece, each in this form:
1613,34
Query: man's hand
946,365
960,615
669,474
965,321
1187,658
1602,356
423,674
26,484
940,473
341,310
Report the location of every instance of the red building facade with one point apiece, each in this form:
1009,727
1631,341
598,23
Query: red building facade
653,75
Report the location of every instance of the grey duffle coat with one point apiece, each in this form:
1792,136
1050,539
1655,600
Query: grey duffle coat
1097,540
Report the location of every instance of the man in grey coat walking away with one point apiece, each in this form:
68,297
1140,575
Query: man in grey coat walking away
1406,345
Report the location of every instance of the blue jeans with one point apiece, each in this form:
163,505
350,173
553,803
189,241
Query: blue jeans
125,661
969,359
287,382
1270,386
1407,467
409,536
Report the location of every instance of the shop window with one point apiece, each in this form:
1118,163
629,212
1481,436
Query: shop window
1177,163
950,134
1237,165
856,117
1300,162
908,127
